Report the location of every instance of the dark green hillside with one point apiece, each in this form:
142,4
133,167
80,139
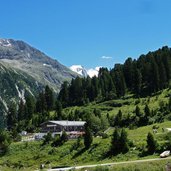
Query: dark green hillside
15,85
148,74
14,81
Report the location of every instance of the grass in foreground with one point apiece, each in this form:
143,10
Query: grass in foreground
29,155
145,166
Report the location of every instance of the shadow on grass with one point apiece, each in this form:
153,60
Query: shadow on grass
105,155
93,147
79,153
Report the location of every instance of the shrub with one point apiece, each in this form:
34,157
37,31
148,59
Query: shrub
47,138
5,141
64,137
58,141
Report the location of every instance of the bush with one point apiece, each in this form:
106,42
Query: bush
64,137
58,141
47,138
5,141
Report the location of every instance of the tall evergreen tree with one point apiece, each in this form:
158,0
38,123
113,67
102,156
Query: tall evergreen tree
115,143
147,111
118,119
137,82
11,116
169,104
154,76
128,72
63,96
119,80
21,110
58,110
49,98
124,141
119,143
30,106
41,105
162,76
151,143
88,137
95,84
137,111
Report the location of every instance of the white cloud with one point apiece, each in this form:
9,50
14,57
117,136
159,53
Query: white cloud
106,57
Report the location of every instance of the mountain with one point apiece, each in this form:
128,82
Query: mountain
93,72
79,69
84,72
45,70
24,69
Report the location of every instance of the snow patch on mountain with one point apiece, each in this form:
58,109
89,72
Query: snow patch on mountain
20,94
5,42
79,69
4,103
85,72
93,72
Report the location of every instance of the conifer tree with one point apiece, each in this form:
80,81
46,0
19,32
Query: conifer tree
30,107
88,137
151,143
124,141
11,116
137,111
169,104
21,110
49,98
118,119
128,72
115,143
63,96
147,111
137,82
162,76
58,110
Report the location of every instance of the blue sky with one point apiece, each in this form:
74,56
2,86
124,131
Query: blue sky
88,32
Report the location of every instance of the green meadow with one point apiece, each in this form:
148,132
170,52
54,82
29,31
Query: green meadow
30,155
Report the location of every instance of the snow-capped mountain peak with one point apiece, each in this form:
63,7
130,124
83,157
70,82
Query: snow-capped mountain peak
85,72
79,69
93,72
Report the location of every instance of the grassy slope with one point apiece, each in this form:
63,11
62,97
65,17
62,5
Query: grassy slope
128,104
31,155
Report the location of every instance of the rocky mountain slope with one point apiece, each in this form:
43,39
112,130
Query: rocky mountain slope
20,55
24,69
